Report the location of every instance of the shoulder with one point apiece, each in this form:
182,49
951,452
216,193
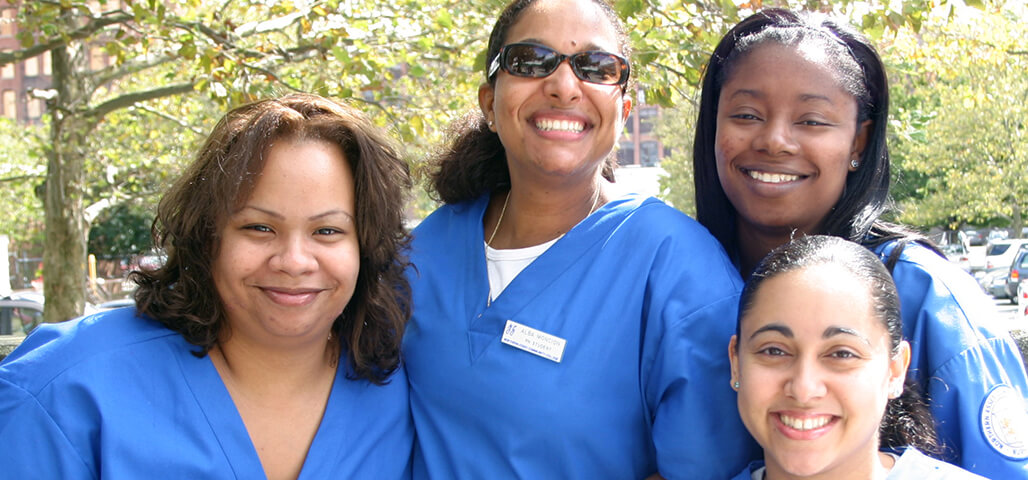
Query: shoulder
925,278
53,349
915,465
652,220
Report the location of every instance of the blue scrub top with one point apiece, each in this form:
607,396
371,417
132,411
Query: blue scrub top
645,300
968,367
119,396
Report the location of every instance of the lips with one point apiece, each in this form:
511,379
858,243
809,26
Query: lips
805,423
770,177
551,125
291,297
803,427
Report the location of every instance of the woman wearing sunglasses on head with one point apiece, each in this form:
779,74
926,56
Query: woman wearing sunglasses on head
822,388
791,138
560,331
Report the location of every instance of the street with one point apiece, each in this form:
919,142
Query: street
1008,317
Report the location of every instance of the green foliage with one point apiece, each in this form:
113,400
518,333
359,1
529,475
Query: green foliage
130,122
962,111
120,232
676,131
22,172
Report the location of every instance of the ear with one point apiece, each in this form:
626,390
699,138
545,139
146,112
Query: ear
860,140
485,102
898,367
733,357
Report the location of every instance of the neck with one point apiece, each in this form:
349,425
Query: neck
870,465
756,242
533,216
257,368
753,246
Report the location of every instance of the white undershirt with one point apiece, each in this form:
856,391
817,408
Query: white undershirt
504,265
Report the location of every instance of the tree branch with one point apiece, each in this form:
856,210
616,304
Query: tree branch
178,121
130,99
94,25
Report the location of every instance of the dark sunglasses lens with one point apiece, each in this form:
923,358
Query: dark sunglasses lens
530,60
599,67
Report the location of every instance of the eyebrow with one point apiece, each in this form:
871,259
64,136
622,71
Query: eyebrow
833,331
584,47
828,333
773,327
806,97
319,216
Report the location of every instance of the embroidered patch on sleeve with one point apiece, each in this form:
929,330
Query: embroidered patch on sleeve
1004,422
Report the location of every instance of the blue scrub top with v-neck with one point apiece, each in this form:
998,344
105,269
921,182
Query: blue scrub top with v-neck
114,395
645,301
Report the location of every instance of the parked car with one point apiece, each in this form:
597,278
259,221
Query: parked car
959,255
1001,253
20,313
1022,300
1018,270
994,282
975,237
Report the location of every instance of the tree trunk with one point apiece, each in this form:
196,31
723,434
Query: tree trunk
64,251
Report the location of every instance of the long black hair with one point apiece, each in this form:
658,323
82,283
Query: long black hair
856,215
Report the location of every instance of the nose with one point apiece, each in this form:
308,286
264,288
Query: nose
562,85
806,382
294,256
776,138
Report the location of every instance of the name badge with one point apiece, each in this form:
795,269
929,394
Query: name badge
533,341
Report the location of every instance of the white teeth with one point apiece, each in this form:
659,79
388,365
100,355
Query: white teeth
560,125
772,177
805,423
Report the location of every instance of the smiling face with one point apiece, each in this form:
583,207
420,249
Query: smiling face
557,127
288,259
786,133
815,370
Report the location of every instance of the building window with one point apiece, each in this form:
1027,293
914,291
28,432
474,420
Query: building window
649,153
7,22
10,104
35,108
8,70
32,67
647,119
96,59
630,124
48,68
626,153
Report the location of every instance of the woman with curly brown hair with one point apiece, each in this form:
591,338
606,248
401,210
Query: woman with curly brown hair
267,345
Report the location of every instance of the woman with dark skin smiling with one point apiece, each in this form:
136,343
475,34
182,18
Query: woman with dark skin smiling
557,331
266,346
791,140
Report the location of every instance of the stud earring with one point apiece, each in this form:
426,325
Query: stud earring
490,122
854,163
735,385
896,392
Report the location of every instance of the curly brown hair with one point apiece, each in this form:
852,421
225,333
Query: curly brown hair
180,294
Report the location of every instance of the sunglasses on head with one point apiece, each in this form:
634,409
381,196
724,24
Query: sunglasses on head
537,61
